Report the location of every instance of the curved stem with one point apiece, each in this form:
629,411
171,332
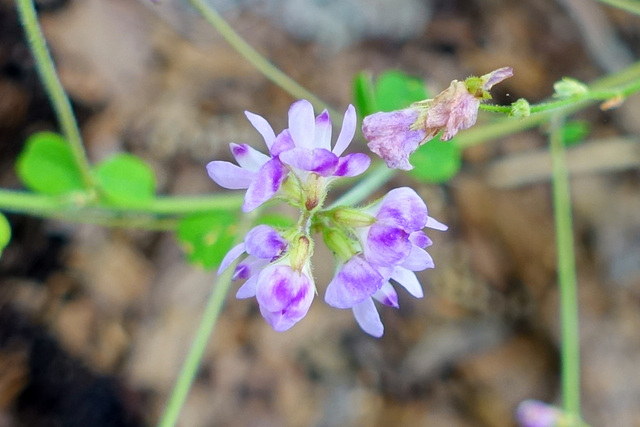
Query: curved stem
570,347
53,87
250,54
196,352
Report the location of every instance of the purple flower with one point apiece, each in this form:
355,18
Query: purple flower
306,145
396,135
533,413
260,174
284,293
392,249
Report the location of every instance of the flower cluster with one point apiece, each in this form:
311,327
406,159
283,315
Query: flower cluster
373,245
394,136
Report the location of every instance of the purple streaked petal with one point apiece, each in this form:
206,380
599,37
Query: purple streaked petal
319,160
248,289
231,256
420,239
368,318
302,123
418,260
265,185
356,281
264,242
282,143
403,208
263,127
247,157
496,77
347,131
436,225
386,245
322,138
387,295
248,267
284,295
352,165
230,176
408,280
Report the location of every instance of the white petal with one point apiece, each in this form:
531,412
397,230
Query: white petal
302,123
347,132
408,280
262,126
368,318
436,225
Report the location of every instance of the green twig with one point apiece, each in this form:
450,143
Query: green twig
53,87
260,62
570,347
196,352
632,6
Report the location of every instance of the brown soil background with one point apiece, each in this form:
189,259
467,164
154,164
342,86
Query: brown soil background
95,322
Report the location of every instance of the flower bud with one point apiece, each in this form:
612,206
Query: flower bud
352,217
520,109
301,249
568,87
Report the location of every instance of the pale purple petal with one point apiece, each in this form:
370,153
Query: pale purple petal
391,137
231,256
356,281
368,318
533,413
265,242
248,289
229,176
408,280
496,76
319,160
386,245
418,260
387,295
463,115
284,296
265,185
248,267
263,127
352,165
404,208
323,131
302,123
247,157
436,225
283,143
347,131
420,239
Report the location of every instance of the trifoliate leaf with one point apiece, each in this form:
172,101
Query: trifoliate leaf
5,232
207,237
126,180
46,165
436,161
396,90
363,94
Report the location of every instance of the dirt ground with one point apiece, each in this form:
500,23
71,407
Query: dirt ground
95,323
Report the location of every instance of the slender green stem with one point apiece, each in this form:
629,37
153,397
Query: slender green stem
60,101
75,205
363,189
250,54
194,357
632,6
570,347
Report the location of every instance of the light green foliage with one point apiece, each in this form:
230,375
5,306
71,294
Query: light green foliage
364,94
46,165
574,132
436,161
396,90
275,220
207,237
5,232
126,180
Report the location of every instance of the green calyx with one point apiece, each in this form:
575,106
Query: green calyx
475,86
339,243
351,217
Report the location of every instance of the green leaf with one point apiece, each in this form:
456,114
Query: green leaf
396,90
126,180
363,94
574,132
5,232
46,165
206,238
436,161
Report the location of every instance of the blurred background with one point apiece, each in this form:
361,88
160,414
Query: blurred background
95,322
